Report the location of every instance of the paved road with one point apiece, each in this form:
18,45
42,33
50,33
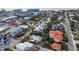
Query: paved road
71,45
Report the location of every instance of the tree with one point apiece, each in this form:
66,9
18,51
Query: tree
76,37
54,18
76,17
34,17
36,33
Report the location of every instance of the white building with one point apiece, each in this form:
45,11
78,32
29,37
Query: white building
60,17
36,38
11,17
41,27
24,46
24,27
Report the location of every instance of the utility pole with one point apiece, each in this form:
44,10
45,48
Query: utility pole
71,45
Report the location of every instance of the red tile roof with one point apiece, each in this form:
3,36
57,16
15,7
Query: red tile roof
56,32
56,46
57,35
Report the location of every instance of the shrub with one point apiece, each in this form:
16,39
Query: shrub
76,37
64,47
36,33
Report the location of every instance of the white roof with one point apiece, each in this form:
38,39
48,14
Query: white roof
26,17
48,19
23,46
9,17
36,38
39,29
24,26
20,46
28,44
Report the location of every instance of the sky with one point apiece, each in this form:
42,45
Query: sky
9,9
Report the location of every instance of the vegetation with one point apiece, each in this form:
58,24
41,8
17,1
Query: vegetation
36,43
77,49
53,19
76,37
49,25
36,33
65,38
64,47
7,49
34,17
60,13
76,18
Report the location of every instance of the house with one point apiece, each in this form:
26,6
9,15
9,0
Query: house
48,19
25,28
26,18
26,46
18,31
41,27
15,31
2,22
58,26
56,35
60,17
56,46
35,38
71,14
